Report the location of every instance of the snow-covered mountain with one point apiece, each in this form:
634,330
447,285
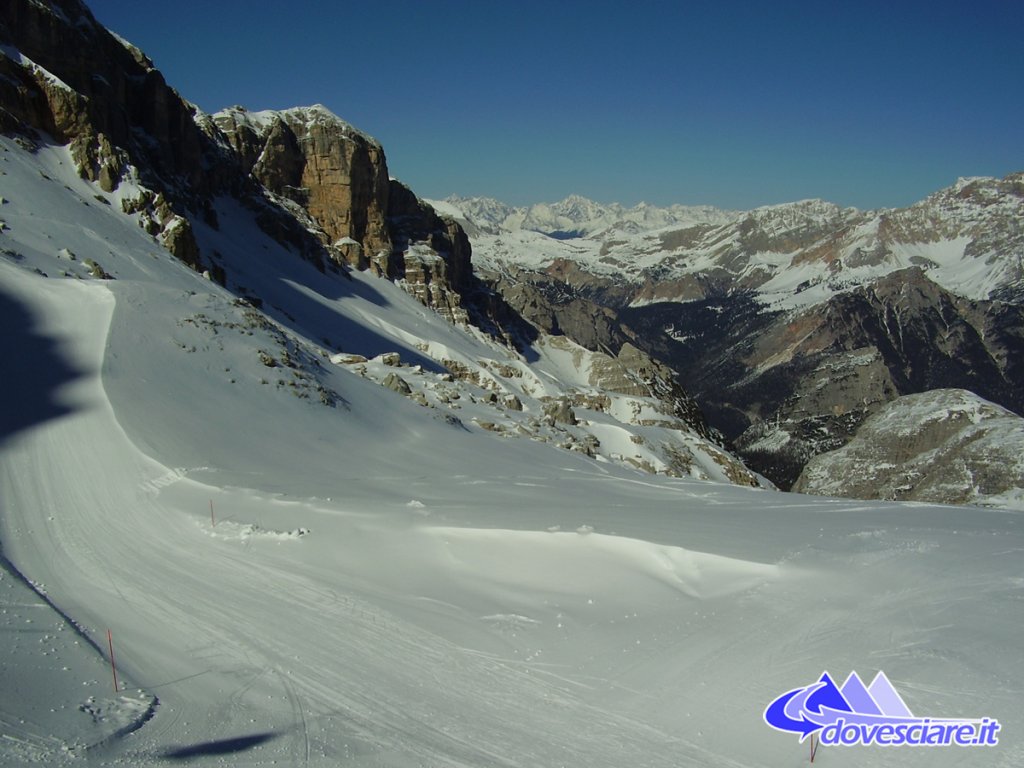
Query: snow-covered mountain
751,310
966,238
573,217
203,480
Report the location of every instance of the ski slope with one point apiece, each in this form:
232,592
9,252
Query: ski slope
381,587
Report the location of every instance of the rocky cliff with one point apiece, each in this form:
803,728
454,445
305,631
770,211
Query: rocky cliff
337,174
313,182
64,75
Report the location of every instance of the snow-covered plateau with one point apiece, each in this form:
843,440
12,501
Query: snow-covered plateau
298,566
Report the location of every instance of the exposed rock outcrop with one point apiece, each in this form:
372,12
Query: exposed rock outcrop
337,174
431,255
69,79
77,82
634,372
947,446
560,412
786,386
504,395
396,383
314,183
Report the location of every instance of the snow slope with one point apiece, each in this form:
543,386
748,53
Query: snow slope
380,586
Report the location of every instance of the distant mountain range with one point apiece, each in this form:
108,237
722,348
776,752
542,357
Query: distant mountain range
575,216
968,238
791,324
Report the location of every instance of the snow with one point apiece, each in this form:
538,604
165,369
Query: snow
948,264
45,655
940,406
771,441
578,214
532,608
444,208
262,120
965,240
18,57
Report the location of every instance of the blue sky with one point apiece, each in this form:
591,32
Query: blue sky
728,103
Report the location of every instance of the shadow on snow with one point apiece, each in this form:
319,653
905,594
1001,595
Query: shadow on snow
220,746
35,371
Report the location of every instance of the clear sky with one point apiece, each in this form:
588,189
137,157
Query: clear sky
728,103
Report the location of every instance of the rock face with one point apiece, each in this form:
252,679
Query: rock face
313,158
431,255
76,83
786,386
946,445
313,182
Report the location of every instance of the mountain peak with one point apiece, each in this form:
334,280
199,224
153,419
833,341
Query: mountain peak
579,201
314,115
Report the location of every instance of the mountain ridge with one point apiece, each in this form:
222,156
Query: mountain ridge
749,312
307,186
572,216
848,245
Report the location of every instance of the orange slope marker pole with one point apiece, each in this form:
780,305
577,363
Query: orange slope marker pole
113,666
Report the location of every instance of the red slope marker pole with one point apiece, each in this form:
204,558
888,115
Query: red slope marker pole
113,666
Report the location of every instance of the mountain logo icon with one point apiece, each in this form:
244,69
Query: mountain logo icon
855,713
